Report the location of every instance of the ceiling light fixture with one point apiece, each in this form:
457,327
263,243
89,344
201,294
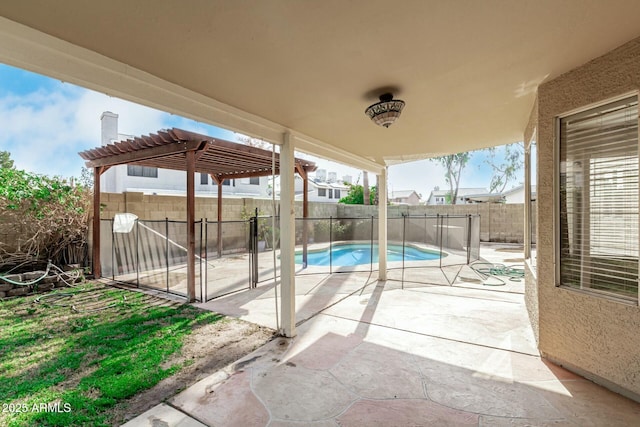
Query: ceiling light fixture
385,112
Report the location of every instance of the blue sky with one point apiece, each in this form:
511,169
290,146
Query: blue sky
46,123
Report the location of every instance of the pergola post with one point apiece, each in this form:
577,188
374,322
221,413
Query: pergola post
287,237
382,225
191,229
219,184
96,266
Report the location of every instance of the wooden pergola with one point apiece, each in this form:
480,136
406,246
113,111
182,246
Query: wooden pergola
182,150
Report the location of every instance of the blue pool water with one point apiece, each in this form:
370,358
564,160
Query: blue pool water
350,254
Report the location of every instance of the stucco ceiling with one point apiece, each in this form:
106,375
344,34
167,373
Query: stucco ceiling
467,69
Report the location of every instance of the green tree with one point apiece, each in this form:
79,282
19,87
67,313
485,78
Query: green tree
366,193
505,169
453,164
355,196
86,178
5,160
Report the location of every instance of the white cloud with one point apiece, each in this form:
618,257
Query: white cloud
133,119
45,130
421,176
38,130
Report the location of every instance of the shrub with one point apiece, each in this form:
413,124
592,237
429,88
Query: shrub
41,218
340,231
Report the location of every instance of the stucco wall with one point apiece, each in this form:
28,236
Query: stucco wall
498,222
156,207
531,299
596,336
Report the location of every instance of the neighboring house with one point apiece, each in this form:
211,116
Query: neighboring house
329,192
319,191
512,196
484,198
405,197
516,194
440,197
149,180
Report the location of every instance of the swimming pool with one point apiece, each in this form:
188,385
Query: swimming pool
350,254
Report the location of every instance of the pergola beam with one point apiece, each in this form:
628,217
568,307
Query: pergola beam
145,154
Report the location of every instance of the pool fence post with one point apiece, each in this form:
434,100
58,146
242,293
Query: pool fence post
371,246
425,228
330,245
468,239
137,253
200,261
250,251
404,236
206,260
113,252
440,221
404,240
166,249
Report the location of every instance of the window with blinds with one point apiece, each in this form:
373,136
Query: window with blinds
599,199
530,180
145,171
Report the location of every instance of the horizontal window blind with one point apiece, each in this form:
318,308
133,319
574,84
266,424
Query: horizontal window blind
599,199
531,180
145,171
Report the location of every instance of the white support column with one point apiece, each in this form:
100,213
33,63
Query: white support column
527,201
287,237
382,225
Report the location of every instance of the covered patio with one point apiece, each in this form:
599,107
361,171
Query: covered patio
473,74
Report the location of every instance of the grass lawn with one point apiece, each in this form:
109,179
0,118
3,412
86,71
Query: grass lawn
86,351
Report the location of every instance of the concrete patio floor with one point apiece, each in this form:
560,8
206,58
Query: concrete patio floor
394,353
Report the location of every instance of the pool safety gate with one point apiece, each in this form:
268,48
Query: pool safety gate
240,255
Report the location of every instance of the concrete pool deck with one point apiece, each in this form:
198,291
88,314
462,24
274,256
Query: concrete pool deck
394,353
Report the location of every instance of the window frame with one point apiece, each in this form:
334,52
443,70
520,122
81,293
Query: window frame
142,169
530,219
557,237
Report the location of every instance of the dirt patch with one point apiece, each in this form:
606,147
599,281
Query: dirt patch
206,350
